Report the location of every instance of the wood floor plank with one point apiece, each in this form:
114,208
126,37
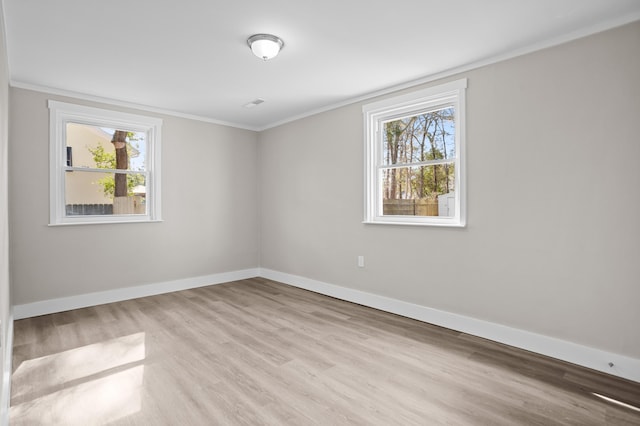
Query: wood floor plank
257,352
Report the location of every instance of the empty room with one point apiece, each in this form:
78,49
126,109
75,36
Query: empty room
320,212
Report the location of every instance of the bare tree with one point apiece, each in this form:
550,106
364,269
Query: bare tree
119,142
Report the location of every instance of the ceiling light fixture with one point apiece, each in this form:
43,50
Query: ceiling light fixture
265,46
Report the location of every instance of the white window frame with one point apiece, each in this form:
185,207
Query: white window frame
61,113
415,103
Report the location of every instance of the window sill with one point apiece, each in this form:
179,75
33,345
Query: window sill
102,222
406,223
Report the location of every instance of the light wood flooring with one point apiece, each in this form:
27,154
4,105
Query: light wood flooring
256,352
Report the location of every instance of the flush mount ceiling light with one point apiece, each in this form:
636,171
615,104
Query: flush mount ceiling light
265,46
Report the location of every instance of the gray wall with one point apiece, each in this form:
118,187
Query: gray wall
5,296
209,207
552,244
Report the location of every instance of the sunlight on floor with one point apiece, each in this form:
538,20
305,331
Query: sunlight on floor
96,402
616,402
44,394
60,368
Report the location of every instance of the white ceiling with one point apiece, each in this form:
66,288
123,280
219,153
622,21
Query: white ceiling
191,56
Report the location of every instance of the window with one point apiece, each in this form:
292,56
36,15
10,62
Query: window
414,147
104,166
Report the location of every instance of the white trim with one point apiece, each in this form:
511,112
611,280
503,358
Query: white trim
556,41
406,102
418,102
121,219
107,117
585,32
62,304
5,392
125,104
61,113
596,359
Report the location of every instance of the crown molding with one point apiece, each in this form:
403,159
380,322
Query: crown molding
552,42
124,104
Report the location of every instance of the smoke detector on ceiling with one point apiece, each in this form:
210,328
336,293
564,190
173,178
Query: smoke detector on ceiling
253,103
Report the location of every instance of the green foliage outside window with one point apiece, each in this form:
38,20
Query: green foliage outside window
107,160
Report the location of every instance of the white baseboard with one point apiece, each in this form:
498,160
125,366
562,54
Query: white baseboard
5,392
596,359
99,298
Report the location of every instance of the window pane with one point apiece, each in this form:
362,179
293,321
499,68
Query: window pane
93,193
92,146
422,137
419,191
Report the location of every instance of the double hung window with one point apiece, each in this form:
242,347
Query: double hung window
414,148
104,165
